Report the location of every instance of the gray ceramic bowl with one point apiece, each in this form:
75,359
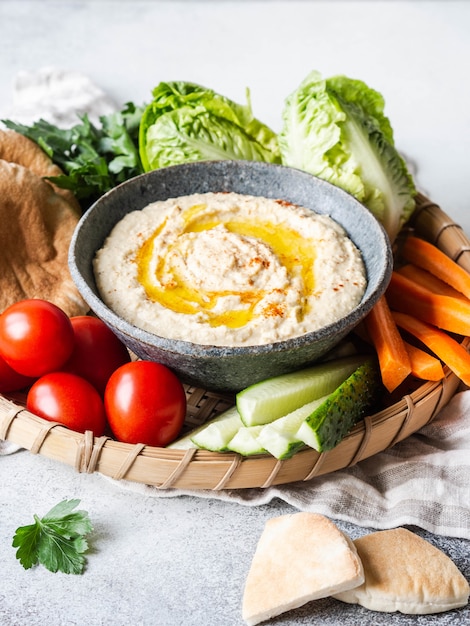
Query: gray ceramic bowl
225,368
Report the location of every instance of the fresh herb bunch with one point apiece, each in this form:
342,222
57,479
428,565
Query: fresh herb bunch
94,159
57,541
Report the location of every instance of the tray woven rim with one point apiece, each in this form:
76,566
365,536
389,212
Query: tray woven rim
168,468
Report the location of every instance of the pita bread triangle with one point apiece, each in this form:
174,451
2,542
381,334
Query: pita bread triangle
299,557
37,226
16,148
406,573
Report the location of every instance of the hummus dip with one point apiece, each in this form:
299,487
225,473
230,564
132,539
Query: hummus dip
229,270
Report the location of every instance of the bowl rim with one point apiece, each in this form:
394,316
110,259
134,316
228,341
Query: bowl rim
182,346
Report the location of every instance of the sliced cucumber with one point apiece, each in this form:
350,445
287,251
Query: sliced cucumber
218,432
280,438
270,399
335,417
184,443
246,441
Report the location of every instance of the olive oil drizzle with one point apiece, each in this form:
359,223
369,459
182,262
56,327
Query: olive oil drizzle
294,252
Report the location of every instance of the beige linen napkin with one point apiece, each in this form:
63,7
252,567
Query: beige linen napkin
422,481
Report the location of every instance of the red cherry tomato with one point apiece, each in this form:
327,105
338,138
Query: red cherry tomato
68,399
10,380
36,337
145,403
97,352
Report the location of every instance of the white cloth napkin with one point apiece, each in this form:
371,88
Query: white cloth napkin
7,447
57,96
422,481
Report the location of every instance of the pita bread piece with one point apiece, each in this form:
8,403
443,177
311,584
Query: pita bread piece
37,226
299,558
16,148
405,573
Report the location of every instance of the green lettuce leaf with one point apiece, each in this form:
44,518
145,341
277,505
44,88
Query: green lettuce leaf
187,122
336,129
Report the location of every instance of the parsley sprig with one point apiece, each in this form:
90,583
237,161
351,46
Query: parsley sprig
57,541
94,158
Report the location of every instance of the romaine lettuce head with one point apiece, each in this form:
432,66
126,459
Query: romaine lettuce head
336,129
187,122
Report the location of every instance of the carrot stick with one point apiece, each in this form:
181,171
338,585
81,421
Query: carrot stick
429,281
452,353
429,257
406,296
424,365
394,361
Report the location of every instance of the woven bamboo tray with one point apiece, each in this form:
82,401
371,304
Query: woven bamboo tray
199,469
